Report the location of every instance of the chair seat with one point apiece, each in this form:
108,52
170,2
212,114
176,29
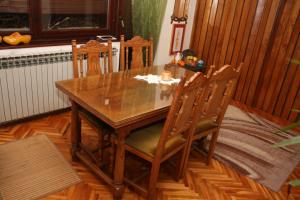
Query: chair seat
147,138
205,125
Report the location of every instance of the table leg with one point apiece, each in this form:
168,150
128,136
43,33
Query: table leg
75,130
119,165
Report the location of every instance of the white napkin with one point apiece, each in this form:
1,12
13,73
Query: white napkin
150,78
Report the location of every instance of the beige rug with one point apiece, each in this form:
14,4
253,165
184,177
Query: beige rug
245,143
33,168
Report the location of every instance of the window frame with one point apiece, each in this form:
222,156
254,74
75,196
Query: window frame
40,36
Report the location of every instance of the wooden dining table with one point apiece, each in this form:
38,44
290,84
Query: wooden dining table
122,102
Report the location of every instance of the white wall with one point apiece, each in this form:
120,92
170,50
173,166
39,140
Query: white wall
162,53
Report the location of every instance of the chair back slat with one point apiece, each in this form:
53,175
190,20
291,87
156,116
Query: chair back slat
81,57
127,59
219,92
147,53
137,57
182,112
90,54
93,64
138,46
105,63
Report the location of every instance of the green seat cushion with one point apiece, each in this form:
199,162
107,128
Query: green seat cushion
147,138
205,125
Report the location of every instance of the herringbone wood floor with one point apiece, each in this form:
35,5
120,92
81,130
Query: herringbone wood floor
202,182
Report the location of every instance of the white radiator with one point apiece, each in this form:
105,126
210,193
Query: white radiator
27,80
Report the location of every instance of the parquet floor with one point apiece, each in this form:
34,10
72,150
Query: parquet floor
202,182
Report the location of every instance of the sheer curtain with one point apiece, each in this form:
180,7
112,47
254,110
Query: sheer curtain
147,16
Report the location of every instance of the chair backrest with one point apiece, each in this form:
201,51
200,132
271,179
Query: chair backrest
218,92
182,112
139,47
91,52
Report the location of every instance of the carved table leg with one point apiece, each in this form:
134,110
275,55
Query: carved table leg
119,165
75,130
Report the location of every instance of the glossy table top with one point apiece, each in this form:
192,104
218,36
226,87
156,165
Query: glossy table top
118,98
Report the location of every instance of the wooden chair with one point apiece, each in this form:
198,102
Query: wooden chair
217,94
87,62
137,45
91,52
158,142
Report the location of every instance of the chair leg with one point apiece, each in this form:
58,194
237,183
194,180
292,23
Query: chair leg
182,165
152,182
101,144
212,146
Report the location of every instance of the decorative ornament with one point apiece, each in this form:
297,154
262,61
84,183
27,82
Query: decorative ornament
180,12
16,38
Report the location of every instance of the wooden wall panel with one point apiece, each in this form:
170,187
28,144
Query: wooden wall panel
289,87
264,35
283,49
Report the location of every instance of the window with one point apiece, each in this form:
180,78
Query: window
89,14
60,20
14,16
